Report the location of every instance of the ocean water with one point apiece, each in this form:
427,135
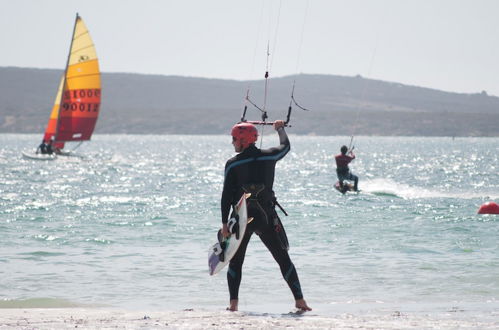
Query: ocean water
129,224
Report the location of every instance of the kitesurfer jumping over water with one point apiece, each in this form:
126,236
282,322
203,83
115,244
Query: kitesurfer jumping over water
342,169
252,171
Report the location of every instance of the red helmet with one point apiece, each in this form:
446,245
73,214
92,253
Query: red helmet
244,134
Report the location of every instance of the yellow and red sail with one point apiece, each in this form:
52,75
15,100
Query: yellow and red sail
77,104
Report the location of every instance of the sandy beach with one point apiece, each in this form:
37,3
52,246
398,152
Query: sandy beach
95,318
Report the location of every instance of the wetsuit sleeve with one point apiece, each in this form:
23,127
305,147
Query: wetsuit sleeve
283,139
227,193
282,149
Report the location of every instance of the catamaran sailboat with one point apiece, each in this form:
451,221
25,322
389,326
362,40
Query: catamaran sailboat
77,104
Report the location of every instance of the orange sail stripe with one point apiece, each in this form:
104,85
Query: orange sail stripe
54,115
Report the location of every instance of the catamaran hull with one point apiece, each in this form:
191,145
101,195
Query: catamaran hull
34,156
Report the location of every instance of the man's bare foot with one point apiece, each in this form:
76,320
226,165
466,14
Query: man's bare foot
233,305
301,304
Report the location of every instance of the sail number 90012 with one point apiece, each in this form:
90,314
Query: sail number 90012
81,100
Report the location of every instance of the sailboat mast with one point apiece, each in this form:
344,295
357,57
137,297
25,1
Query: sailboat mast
64,79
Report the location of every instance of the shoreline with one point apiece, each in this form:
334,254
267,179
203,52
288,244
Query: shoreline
98,318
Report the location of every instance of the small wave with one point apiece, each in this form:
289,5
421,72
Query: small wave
43,254
98,240
45,237
390,188
39,303
383,193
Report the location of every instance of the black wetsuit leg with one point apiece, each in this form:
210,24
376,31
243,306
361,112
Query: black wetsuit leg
281,256
356,182
271,240
234,273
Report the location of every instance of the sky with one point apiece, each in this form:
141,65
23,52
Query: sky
450,45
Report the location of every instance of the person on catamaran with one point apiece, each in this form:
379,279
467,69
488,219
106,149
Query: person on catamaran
342,169
45,148
252,171
53,148
41,148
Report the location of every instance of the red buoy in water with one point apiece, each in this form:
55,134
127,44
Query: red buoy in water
489,208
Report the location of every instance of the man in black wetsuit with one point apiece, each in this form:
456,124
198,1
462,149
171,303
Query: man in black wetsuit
252,171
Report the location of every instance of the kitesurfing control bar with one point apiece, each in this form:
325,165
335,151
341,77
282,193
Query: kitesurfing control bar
264,117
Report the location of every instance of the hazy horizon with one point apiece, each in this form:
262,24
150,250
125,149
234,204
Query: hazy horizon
174,104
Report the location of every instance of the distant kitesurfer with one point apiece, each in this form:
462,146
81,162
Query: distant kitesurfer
342,169
252,171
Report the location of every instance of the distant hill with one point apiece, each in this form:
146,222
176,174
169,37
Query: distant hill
154,104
